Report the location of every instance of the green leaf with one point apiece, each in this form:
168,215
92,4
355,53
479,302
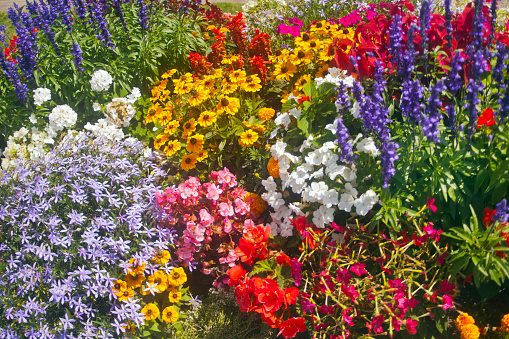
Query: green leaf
474,223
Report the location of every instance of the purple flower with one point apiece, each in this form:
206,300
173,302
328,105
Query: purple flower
502,212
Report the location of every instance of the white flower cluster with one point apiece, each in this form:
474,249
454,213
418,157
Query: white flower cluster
25,144
41,95
101,80
315,176
336,76
62,116
119,113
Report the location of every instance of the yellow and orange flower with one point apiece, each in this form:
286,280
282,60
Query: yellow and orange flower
161,257
188,162
470,331
160,279
169,74
251,84
505,323
182,87
136,266
207,118
284,71
170,315
172,147
189,126
177,276
134,281
119,287
273,167
171,127
238,76
151,311
161,139
256,203
197,96
195,143
174,295
129,327
266,113
462,320
248,138
229,87
202,155
228,105
127,295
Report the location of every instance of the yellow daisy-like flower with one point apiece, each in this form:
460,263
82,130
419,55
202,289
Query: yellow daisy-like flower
119,287
169,74
202,155
299,84
136,266
134,281
195,143
170,315
188,77
216,73
188,162
284,71
301,56
161,257
251,84
172,147
174,295
171,127
189,126
207,118
153,113
129,327
470,331
273,167
161,139
127,295
238,76
228,105
259,128
177,276
182,87
266,113
197,96
320,27
312,45
248,138
160,279
463,320
256,203
229,87
505,323
304,38
151,311
208,82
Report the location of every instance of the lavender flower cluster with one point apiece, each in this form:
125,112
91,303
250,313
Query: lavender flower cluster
69,224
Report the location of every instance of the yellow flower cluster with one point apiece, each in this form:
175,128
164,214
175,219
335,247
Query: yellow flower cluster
505,323
158,282
309,59
256,203
465,324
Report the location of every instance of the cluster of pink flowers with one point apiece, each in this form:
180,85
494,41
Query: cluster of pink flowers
209,219
293,28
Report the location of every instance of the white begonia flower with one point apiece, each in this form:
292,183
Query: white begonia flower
323,216
317,174
62,116
286,231
269,184
334,170
274,199
328,145
355,109
96,107
101,80
317,191
346,202
296,210
135,94
350,189
367,145
295,112
283,213
333,127
32,118
41,95
349,174
278,149
330,198
283,119
365,202
297,181
306,144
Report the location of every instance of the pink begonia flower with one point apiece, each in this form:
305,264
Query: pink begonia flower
224,176
248,223
447,302
411,326
185,253
348,320
359,269
225,210
213,192
241,207
227,225
205,217
376,324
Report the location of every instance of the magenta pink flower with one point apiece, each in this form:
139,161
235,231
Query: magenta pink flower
350,291
326,309
225,177
376,324
343,276
225,210
411,326
213,192
430,205
447,302
348,320
358,269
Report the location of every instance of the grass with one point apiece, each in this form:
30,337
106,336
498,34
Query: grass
229,7
4,20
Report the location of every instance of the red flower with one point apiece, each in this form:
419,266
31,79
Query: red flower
290,327
430,205
236,274
291,295
246,251
283,259
486,118
270,296
487,215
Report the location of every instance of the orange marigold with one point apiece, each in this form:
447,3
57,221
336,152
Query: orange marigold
273,168
266,113
505,323
256,203
462,320
470,331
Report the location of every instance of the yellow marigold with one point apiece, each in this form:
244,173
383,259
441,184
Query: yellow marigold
174,296
202,155
151,311
134,281
248,138
505,323
195,143
161,257
273,167
470,331
207,118
266,113
188,162
172,147
228,105
170,315
126,295
177,276
463,320
256,203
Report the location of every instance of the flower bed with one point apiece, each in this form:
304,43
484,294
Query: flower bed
314,169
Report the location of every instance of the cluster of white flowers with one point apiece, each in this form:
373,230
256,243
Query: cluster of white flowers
315,175
62,116
25,144
101,80
119,113
336,76
41,95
